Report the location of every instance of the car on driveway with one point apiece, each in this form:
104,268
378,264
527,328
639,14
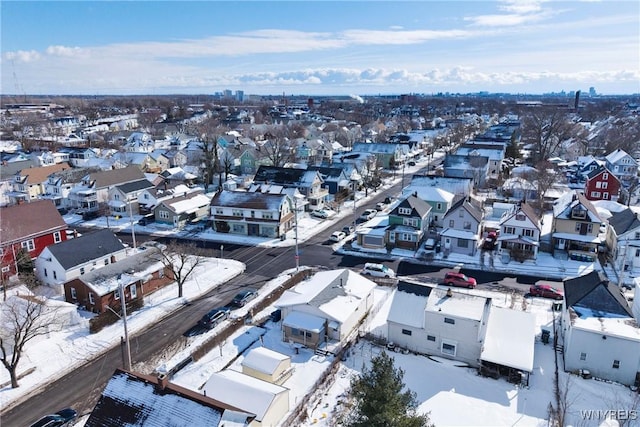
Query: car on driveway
348,229
378,270
243,297
336,236
214,317
60,418
319,213
545,291
459,280
368,214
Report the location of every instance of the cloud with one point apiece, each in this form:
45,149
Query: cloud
64,51
517,12
23,56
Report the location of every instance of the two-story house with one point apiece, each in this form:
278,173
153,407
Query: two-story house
623,242
439,199
408,223
29,184
386,155
94,187
575,228
520,232
308,182
495,154
123,198
59,185
599,331
26,229
474,166
182,209
252,213
601,184
79,156
462,228
73,258
622,165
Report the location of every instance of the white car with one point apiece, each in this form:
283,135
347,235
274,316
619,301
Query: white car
337,236
378,270
368,214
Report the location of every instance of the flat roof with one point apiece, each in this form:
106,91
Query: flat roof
510,338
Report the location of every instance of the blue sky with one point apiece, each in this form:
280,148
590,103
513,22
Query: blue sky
319,47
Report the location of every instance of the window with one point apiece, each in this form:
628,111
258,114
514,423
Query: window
451,223
56,237
406,332
520,217
461,213
509,230
579,212
404,211
605,185
583,356
133,290
116,293
406,237
466,225
236,212
116,197
91,300
411,222
161,273
267,215
448,348
605,195
637,237
74,294
237,228
637,253
595,194
605,176
163,214
106,261
616,364
599,184
431,338
462,243
219,211
28,245
439,206
45,273
527,232
81,270
55,275
253,214
450,320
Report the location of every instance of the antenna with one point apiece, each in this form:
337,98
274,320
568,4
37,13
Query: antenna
19,88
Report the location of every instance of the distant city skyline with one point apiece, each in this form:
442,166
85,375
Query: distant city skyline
319,47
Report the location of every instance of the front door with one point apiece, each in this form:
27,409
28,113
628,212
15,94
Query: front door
253,229
561,244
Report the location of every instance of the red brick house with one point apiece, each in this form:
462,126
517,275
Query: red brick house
29,227
140,274
601,184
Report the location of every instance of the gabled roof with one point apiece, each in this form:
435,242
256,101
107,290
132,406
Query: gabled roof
187,203
29,220
600,170
624,221
464,161
248,200
418,207
73,252
135,399
264,360
383,148
329,173
452,184
563,207
594,295
39,175
73,175
285,176
526,209
617,155
463,203
116,176
129,187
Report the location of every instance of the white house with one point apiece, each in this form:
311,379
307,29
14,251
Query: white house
599,330
72,258
267,365
269,402
520,232
623,241
329,306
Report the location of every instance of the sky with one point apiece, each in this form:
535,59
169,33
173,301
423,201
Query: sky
319,47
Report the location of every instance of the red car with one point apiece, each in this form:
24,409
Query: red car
545,291
460,280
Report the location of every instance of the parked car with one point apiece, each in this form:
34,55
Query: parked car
430,245
459,280
545,291
275,315
319,213
348,229
214,317
243,297
336,236
61,418
88,215
378,270
147,219
489,242
380,206
387,200
411,163
368,214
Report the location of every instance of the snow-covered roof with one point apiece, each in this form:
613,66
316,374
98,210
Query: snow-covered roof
459,234
253,200
264,360
510,338
304,321
459,304
429,194
407,309
577,237
243,391
190,205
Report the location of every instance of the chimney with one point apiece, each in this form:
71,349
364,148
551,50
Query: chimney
163,381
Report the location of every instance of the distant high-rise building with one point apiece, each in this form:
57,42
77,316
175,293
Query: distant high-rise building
240,95
227,93
592,91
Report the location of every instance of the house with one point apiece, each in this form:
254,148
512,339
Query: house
335,179
73,258
495,154
475,167
329,306
408,223
308,182
623,241
123,198
437,321
622,165
268,402
177,158
99,290
458,186
387,155
252,213
267,365
590,164
26,229
59,185
181,209
439,199
519,188
94,187
462,228
29,184
602,185
520,232
149,198
79,156
599,331
178,174
139,400
575,228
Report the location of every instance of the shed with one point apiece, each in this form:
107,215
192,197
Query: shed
267,365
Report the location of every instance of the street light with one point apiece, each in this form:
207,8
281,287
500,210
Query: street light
295,204
127,351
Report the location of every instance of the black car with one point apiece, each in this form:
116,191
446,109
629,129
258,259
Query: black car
88,215
60,418
215,316
243,297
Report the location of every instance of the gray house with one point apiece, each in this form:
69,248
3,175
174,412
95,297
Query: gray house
462,228
475,167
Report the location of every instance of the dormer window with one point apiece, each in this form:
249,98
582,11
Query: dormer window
404,211
579,212
520,217
605,176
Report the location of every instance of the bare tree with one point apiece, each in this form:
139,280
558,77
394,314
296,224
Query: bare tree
371,175
23,319
543,178
181,260
278,148
546,129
